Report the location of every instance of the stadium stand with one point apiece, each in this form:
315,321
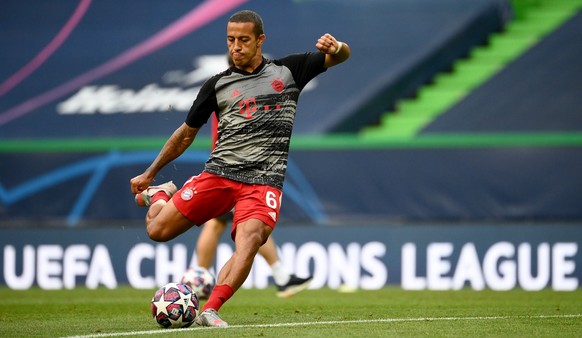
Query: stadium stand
494,107
399,45
538,92
444,166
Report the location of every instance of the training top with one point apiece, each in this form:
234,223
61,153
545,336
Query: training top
255,117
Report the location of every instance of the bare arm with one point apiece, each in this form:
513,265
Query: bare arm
335,52
175,146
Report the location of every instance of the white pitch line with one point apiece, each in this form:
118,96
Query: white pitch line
333,322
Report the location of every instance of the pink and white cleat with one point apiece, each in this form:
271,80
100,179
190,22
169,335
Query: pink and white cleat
210,317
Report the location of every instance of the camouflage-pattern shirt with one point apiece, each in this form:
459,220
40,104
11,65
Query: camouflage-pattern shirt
256,113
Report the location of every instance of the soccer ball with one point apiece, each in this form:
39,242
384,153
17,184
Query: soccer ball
200,280
175,305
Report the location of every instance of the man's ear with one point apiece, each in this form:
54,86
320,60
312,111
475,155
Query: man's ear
261,39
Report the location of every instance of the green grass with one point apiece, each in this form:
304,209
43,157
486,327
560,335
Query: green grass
320,313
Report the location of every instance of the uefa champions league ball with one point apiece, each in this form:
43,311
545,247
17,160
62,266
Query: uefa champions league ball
200,280
175,305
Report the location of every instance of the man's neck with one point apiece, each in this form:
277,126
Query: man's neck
256,63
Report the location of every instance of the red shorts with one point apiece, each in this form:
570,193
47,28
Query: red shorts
207,196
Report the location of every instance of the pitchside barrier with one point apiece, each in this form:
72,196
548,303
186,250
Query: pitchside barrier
415,257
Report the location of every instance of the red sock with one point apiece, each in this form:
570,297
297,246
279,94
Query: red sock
160,195
220,294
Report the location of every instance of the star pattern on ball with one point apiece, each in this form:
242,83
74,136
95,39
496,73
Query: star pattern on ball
162,306
174,305
188,301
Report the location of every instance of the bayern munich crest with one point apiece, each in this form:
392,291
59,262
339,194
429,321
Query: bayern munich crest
278,85
187,194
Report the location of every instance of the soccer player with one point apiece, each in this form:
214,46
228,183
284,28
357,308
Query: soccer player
287,284
255,101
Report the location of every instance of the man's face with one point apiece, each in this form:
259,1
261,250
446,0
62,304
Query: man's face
243,45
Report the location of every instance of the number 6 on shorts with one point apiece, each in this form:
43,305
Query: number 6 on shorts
271,200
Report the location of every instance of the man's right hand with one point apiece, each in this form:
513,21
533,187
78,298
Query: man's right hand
140,183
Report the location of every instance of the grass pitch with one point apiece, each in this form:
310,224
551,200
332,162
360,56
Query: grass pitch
314,313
